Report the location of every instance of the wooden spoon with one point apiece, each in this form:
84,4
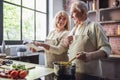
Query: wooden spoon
71,60
67,63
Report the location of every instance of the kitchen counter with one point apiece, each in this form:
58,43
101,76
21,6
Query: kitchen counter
114,56
40,72
35,71
111,67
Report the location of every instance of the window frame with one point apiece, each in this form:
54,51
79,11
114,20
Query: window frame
14,42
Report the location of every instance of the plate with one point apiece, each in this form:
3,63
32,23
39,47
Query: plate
37,48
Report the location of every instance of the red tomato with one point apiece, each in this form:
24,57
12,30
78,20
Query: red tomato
22,74
14,74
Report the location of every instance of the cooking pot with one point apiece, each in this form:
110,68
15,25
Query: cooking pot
64,69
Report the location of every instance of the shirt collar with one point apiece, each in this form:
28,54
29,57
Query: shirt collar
85,23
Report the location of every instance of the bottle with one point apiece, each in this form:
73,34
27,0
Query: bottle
3,47
118,30
116,3
93,5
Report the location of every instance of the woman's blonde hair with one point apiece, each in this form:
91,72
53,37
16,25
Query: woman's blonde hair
62,13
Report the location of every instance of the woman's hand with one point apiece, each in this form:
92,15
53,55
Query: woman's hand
37,43
32,49
41,44
67,41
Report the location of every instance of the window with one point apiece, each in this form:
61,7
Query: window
24,19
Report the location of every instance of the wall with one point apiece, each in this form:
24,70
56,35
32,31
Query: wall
54,7
111,30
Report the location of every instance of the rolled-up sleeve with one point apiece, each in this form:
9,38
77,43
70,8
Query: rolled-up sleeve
102,40
99,39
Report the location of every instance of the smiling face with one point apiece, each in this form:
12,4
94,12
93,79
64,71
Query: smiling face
61,22
76,16
78,12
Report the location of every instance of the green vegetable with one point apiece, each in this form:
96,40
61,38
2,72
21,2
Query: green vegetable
18,67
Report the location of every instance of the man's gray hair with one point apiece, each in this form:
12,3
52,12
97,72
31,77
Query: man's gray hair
80,6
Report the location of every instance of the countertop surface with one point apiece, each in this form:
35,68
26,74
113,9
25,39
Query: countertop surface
40,72
35,71
114,58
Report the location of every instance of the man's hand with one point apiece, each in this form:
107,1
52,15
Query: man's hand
83,56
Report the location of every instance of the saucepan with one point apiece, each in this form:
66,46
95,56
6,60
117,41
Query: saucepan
64,68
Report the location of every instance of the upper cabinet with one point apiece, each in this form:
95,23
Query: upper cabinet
110,14
106,11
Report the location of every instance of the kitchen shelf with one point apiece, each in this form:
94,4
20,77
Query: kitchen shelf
109,22
110,14
109,9
113,35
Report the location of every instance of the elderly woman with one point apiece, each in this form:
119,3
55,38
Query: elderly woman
61,29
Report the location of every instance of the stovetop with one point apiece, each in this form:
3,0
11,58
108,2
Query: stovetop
73,77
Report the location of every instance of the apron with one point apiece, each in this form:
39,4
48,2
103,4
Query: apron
50,58
83,43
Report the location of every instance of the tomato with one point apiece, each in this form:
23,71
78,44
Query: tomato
19,72
10,71
22,74
14,74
